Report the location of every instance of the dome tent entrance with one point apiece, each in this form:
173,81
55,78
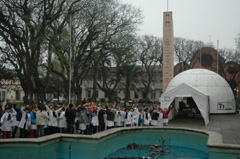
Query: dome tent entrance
185,90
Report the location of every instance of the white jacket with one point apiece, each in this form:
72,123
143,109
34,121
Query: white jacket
26,118
53,121
41,117
6,123
128,118
14,118
160,119
147,118
119,118
62,123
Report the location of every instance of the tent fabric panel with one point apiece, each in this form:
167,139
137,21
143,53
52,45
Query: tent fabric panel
186,90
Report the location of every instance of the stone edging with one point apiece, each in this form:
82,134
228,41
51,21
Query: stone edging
214,139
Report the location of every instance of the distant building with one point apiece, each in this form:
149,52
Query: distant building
13,89
15,92
208,58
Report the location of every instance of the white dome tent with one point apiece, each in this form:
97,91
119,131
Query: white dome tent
211,93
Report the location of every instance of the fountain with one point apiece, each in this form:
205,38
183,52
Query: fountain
133,142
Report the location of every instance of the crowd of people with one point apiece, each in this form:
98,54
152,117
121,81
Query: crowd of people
88,118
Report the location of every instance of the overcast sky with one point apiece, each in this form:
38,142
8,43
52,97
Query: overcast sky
193,19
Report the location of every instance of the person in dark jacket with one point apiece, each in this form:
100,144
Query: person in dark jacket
110,118
70,117
101,118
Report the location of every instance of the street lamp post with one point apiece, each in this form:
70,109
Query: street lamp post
70,63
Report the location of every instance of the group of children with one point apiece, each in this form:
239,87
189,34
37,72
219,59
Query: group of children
84,119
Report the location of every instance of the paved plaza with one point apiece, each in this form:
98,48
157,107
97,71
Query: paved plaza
227,125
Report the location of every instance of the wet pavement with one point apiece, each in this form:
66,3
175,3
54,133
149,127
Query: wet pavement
227,125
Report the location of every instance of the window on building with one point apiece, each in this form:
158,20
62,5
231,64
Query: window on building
18,95
135,95
96,94
89,93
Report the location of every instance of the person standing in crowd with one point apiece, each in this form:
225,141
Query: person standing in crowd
110,117
119,118
94,121
33,121
89,119
155,118
15,122
25,122
46,128
147,117
128,118
141,118
135,109
83,121
150,109
70,117
6,121
53,119
62,123
1,105
76,122
134,117
160,118
101,118
41,119
165,115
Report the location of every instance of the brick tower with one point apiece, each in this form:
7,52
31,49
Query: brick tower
167,49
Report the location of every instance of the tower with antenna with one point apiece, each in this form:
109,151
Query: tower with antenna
167,48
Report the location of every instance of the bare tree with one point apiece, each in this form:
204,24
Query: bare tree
184,50
24,28
150,58
95,30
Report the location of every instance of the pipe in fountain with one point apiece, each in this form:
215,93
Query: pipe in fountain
69,149
105,151
159,145
169,141
163,141
99,153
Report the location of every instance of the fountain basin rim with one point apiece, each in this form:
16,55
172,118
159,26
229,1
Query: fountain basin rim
214,138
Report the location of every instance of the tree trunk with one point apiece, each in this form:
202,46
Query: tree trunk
26,94
127,91
94,87
110,96
79,95
147,91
